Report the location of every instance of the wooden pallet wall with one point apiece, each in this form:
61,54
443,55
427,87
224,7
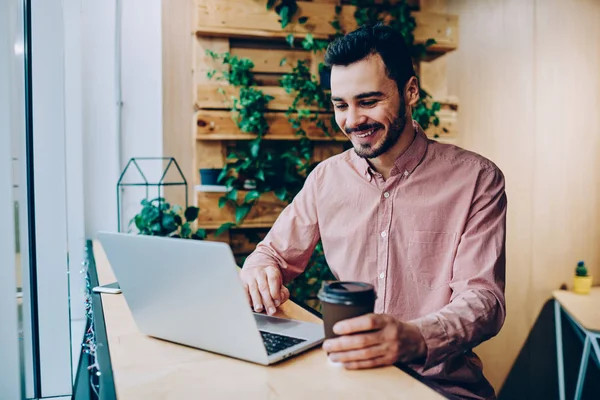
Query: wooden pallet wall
245,28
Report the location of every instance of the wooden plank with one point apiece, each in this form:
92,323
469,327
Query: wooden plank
219,125
253,15
246,18
263,214
316,60
448,127
177,90
217,31
441,27
209,97
241,244
205,63
209,155
270,60
583,308
433,77
439,6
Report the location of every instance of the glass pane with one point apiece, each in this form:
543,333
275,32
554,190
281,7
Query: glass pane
11,132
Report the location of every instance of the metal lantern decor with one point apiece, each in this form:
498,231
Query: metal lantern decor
133,162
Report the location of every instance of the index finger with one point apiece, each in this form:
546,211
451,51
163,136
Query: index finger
364,323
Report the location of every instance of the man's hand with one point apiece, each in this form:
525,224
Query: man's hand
264,288
374,340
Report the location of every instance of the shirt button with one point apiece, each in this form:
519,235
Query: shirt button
383,234
386,194
405,173
382,275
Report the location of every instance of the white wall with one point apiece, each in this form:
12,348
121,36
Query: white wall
105,153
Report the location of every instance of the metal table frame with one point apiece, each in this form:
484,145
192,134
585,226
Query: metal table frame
590,340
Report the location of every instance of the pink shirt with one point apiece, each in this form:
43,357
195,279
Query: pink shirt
431,239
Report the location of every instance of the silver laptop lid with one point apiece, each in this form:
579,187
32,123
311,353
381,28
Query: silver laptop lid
185,291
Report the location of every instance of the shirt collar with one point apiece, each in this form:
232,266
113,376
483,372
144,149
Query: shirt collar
408,160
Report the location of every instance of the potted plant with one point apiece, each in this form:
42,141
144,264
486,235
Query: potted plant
582,282
159,218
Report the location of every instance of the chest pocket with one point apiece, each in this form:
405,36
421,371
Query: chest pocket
430,258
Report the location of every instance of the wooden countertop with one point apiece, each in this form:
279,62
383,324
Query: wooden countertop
584,308
148,368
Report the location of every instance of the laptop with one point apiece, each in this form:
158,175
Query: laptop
189,292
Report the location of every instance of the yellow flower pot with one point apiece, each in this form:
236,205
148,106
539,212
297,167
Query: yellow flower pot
582,284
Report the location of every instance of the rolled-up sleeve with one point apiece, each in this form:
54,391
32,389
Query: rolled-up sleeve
477,310
294,235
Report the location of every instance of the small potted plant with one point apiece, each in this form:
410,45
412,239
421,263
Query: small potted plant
582,282
159,218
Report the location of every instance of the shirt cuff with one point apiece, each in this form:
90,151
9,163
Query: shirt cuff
436,339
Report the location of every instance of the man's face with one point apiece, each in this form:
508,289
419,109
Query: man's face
368,106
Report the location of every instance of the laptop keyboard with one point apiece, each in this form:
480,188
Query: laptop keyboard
275,343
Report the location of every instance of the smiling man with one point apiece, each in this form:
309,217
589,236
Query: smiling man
423,222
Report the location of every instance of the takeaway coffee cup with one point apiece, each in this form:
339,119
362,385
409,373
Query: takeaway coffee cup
343,300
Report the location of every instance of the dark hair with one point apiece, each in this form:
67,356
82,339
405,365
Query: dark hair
369,40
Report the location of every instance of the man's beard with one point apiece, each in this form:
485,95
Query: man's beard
393,135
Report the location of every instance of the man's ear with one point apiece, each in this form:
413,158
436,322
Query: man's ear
411,91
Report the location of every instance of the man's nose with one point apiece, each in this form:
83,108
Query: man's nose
354,118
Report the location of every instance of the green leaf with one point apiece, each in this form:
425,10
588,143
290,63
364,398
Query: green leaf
168,222
252,195
186,231
260,175
270,4
191,213
282,62
223,173
430,42
199,235
156,228
229,182
224,228
232,195
281,193
285,16
241,212
302,20
255,148
178,220
222,201
290,39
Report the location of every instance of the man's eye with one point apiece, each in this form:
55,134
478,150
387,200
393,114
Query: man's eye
368,103
340,106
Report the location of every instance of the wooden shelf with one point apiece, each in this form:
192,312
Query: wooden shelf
263,214
217,96
219,125
251,19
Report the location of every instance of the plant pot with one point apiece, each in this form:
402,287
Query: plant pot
209,176
582,284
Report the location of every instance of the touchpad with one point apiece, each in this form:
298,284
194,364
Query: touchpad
273,324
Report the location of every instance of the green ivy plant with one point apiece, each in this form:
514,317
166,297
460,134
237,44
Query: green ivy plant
159,218
254,164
